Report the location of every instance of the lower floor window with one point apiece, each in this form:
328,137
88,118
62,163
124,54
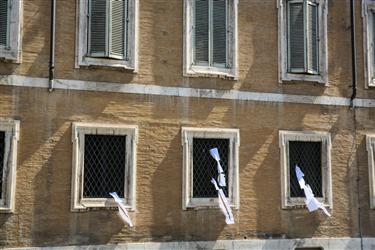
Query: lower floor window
311,152
199,167
104,161
9,136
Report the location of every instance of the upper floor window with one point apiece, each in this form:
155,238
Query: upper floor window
368,15
303,40
210,38
370,145
107,33
10,29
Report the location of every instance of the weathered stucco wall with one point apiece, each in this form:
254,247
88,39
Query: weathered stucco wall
43,214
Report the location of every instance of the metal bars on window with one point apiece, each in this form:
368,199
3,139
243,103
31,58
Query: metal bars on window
210,32
205,168
308,156
104,165
2,156
108,28
303,37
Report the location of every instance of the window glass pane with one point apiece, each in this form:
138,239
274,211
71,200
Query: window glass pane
2,152
201,36
104,165
219,31
308,156
296,37
3,22
205,167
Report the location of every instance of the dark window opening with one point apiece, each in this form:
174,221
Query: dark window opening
104,165
308,156
205,167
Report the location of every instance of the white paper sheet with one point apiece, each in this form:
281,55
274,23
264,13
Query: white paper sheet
122,210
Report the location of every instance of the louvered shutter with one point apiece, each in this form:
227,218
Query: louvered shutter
118,29
98,28
219,25
312,38
296,37
3,22
201,31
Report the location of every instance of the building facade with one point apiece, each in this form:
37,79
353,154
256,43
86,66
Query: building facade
142,89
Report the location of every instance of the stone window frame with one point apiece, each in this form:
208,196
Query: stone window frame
79,130
288,202
370,146
12,131
82,58
13,52
190,70
368,6
284,75
187,134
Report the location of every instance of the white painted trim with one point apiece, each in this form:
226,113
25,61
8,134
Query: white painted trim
188,133
13,52
368,45
79,130
144,89
370,146
190,70
11,129
82,39
288,202
266,244
284,75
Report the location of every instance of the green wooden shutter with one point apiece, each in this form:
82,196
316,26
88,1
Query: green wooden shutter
312,39
98,28
4,22
219,30
201,31
296,37
118,29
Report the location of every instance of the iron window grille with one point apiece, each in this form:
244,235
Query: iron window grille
199,167
311,151
2,152
104,160
205,167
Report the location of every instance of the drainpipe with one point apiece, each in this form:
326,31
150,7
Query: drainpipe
51,66
352,105
354,61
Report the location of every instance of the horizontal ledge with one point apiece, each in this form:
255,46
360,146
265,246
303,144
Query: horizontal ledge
136,88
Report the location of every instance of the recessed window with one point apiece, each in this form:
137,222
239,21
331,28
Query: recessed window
200,167
104,162
311,152
9,136
109,33
210,34
368,15
10,29
370,139
303,40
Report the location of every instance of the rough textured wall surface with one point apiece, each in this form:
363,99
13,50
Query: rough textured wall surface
43,214
43,217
